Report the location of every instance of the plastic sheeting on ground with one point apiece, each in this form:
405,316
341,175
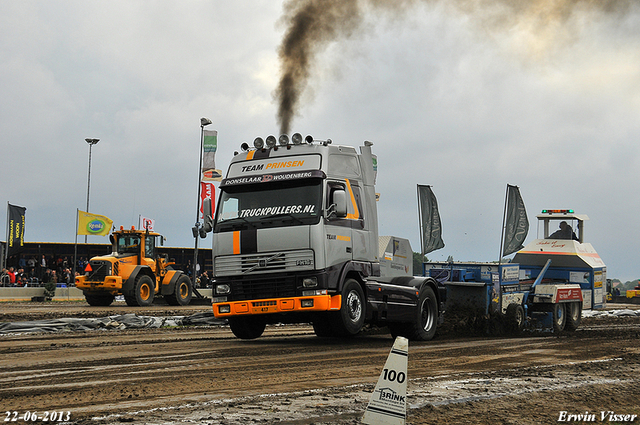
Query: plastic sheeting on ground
122,321
611,313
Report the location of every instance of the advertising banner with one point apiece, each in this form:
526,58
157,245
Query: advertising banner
430,224
93,224
15,229
146,223
517,224
210,145
207,190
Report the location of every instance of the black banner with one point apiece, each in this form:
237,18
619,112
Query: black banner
430,224
517,224
15,236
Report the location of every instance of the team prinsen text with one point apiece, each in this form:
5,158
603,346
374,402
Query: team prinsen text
604,416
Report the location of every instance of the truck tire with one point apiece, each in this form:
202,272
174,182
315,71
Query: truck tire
322,326
182,293
144,291
99,300
559,317
515,318
349,320
247,327
423,328
574,316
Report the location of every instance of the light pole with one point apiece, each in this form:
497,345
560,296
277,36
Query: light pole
91,142
196,229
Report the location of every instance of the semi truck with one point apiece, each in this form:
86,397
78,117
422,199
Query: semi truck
295,240
136,270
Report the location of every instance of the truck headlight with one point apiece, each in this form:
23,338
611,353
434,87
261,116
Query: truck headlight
224,309
310,282
223,289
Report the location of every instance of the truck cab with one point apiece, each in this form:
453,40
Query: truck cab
295,240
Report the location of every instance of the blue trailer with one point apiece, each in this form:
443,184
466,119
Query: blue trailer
546,285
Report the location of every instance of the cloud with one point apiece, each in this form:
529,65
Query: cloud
465,102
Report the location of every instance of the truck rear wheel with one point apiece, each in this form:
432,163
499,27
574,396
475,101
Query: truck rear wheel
247,327
350,319
574,316
182,293
99,300
423,328
559,317
144,291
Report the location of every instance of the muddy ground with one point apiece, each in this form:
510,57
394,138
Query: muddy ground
203,375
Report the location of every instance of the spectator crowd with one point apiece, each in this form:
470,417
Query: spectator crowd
32,272
37,272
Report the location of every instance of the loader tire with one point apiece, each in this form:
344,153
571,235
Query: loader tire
574,316
247,327
144,291
349,320
99,300
424,326
131,300
515,318
559,317
182,293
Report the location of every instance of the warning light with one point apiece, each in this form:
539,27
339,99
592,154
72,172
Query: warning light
557,211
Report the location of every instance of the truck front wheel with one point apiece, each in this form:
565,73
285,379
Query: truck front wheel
350,319
247,327
144,291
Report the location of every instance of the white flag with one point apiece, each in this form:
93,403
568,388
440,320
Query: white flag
146,223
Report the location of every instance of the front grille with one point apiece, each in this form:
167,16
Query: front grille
261,287
99,271
233,265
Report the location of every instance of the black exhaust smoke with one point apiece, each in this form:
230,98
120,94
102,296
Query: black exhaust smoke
312,24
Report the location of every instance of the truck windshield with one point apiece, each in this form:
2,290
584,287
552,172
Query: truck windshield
269,205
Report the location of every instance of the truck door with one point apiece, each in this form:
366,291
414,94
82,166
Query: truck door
339,244
359,235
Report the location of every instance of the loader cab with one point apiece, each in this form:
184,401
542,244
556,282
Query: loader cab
561,224
150,246
127,244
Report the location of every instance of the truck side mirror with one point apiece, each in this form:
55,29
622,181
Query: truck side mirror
340,202
208,219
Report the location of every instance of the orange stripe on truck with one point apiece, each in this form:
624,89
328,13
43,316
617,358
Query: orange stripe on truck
236,242
356,213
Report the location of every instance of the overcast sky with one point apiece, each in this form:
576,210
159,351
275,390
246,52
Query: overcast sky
448,99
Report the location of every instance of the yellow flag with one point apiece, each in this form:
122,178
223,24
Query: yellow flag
93,224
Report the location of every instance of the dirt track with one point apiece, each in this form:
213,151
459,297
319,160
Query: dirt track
205,375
